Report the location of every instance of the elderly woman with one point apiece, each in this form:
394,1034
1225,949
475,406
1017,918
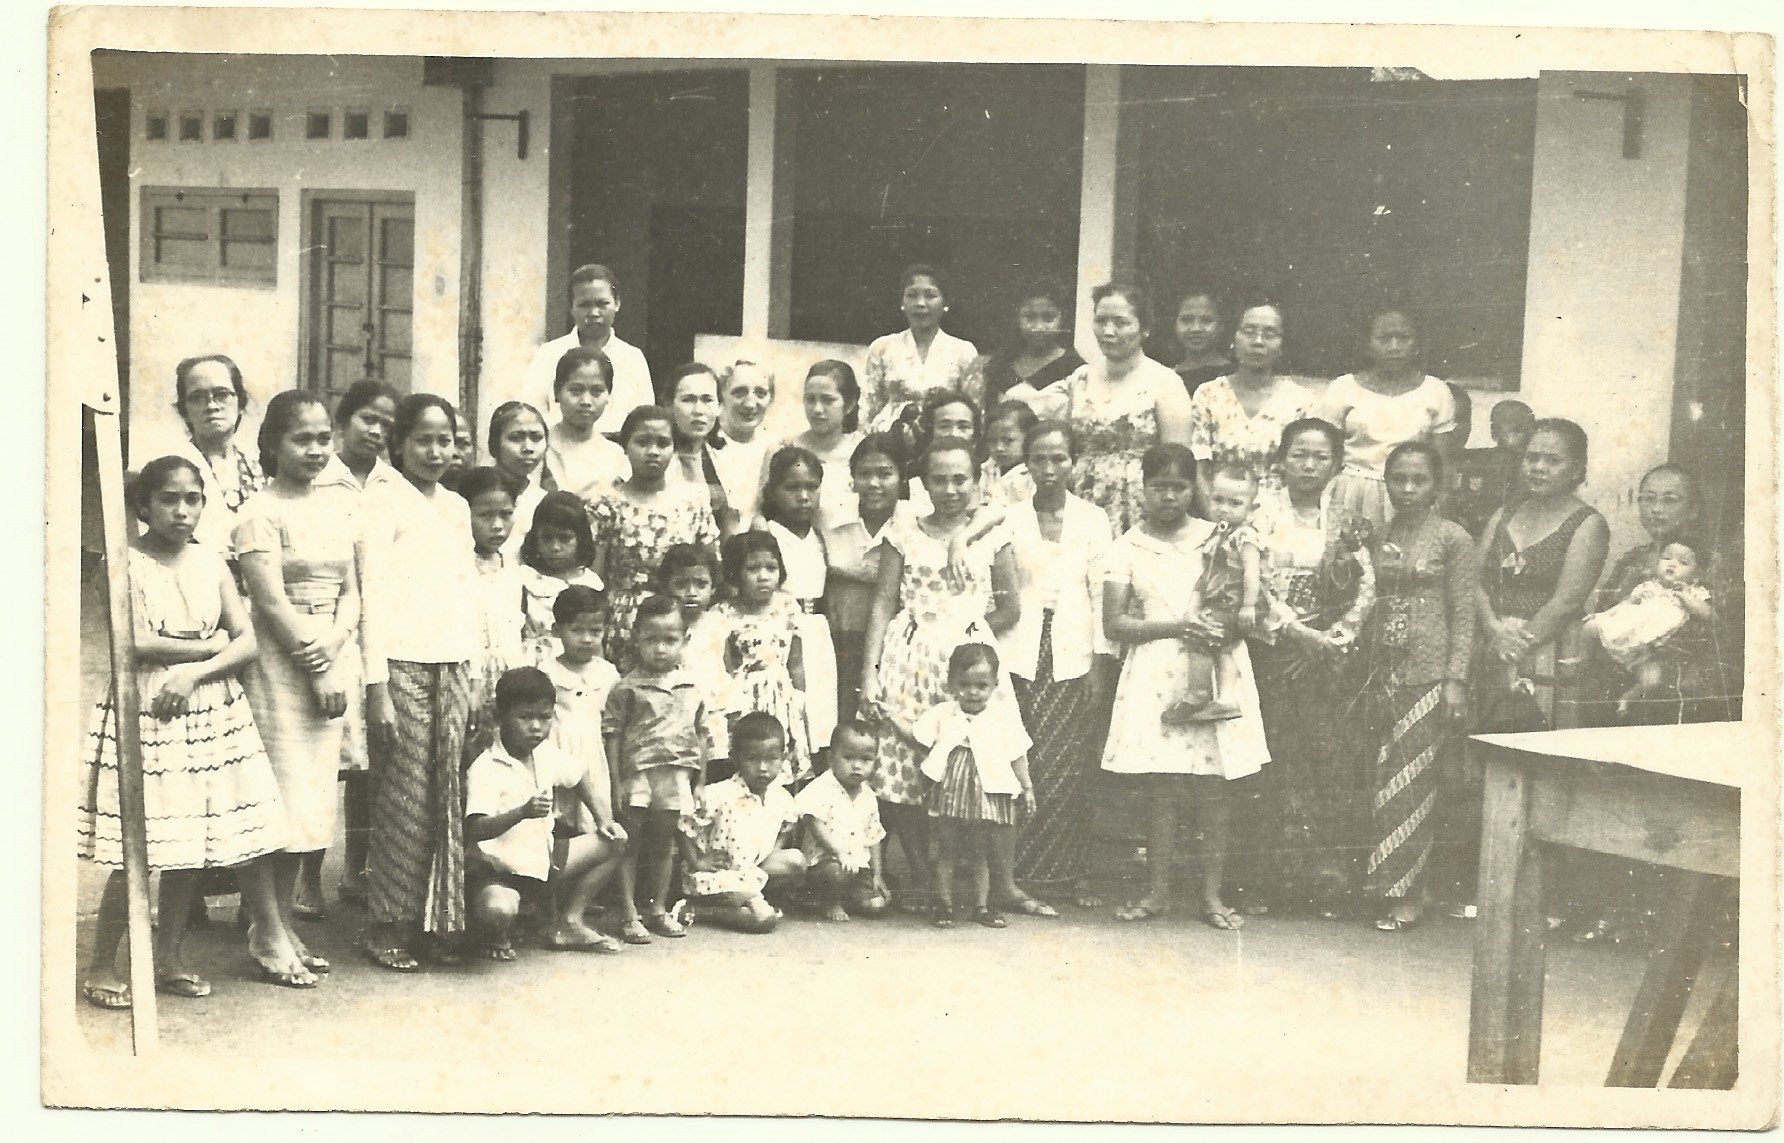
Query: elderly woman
1699,661
739,447
210,398
1118,407
1305,813
1240,417
902,367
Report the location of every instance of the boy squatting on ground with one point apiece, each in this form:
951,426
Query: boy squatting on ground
842,830
739,843
517,845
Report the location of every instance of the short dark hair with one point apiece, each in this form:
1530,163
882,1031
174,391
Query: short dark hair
853,726
737,550
847,387
362,393
923,270
1165,457
655,607
1051,428
523,684
1433,456
1132,294
969,655
1570,432
756,726
183,371
510,411
575,358
681,557
480,480
878,444
1319,425
559,510
781,462
644,414
578,599
1018,411
594,272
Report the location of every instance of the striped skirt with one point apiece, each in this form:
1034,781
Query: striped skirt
416,871
960,794
1403,783
1068,730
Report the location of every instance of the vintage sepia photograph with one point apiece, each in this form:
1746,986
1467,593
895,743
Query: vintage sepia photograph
911,568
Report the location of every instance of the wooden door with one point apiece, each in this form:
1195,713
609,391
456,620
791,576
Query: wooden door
361,292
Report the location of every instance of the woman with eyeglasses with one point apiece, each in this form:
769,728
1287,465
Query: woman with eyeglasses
210,398
1239,418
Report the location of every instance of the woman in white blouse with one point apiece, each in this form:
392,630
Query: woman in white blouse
1061,664
422,631
739,447
902,367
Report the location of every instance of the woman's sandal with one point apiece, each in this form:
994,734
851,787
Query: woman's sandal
1141,911
112,997
284,979
633,932
187,984
663,925
1225,919
395,958
990,918
1030,907
502,952
316,964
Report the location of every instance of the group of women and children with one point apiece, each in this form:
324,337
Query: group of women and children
689,668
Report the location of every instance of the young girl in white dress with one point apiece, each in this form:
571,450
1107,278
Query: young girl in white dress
210,796
789,513
556,553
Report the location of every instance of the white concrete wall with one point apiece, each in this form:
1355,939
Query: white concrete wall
259,326
1602,302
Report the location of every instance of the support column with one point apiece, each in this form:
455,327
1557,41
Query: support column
768,211
1106,199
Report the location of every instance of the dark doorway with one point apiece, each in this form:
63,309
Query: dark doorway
657,175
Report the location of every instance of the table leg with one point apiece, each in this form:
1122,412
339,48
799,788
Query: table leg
1505,1018
1712,1060
1666,984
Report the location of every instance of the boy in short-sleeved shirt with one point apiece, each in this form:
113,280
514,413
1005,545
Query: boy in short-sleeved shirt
841,818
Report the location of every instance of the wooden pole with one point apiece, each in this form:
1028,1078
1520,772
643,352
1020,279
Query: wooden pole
127,703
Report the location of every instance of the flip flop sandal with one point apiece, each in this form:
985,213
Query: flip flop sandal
634,933
1393,924
1226,920
500,952
395,958
112,997
316,964
663,925
1030,907
187,984
286,979
990,918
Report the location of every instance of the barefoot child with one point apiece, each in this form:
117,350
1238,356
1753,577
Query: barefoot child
658,746
517,842
977,768
740,843
209,791
1631,630
1227,594
841,818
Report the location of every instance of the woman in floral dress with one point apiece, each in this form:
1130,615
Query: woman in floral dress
922,610
902,368
1118,408
1240,417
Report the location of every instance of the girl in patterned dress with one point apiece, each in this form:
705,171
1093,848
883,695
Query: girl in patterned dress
789,513
555,554
923,608
763,650
209,793
635,520
976,771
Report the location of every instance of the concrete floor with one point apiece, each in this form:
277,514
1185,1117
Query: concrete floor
1077,1018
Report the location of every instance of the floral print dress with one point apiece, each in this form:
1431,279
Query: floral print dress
1115,425
762,679
1222,432
913,670
635,534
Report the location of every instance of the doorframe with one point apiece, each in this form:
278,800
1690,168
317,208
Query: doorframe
308,199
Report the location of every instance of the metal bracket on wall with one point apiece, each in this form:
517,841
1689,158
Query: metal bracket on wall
1634,103
520,117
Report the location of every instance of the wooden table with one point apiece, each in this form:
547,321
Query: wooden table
1666,795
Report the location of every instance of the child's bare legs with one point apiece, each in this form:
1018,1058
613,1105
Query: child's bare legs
177,888
1200,691
830,888
632,818
742,912
657,867
494,910
979,844
1650,680
786,870
910,825
589,862
947,852
1213,811
1161,850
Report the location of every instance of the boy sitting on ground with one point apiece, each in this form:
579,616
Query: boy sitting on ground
515,842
